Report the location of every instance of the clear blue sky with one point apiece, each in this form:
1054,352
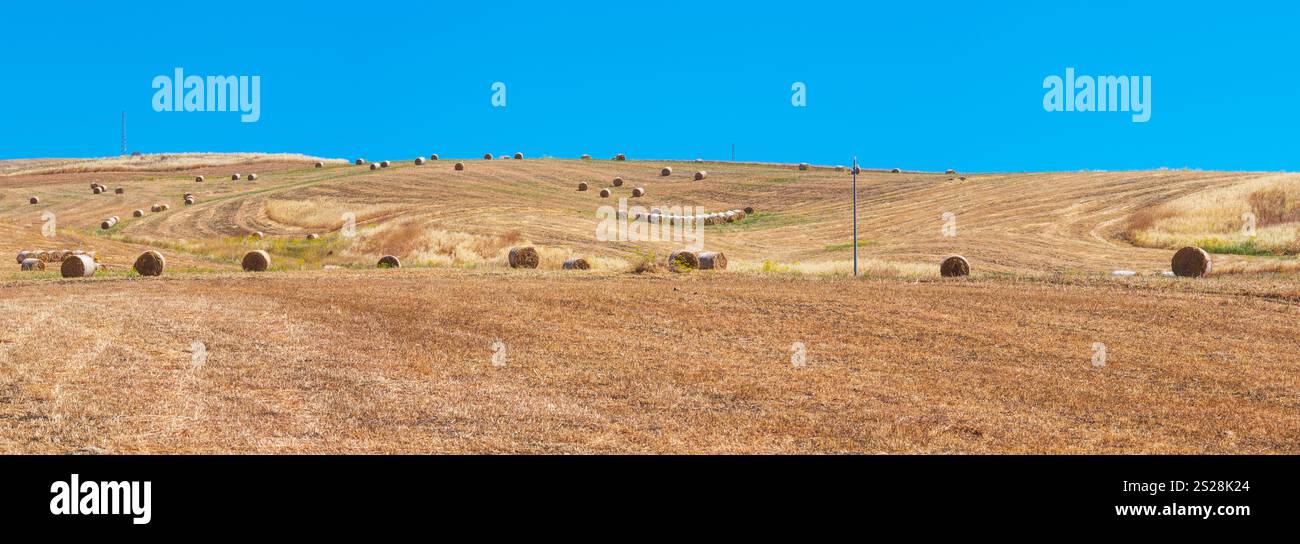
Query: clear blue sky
926,85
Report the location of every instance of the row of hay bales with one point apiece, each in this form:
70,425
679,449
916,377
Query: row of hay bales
656,216
685,260
528,257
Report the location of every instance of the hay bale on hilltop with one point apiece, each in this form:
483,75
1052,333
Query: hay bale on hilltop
713,260
384,164
32,265
320,164
950,171
577,263
666,171
585,157
487,156
256,261
638,192
419,161
460,166
582,186
1191,262
389,261
524,257
433,157
895,171
604,193
374,166
804,166
701,175
683,260
149,263
361,162
617,182
954,266
620,157
78,266
519,156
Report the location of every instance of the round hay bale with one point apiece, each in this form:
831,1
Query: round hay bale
97,190
950,171
155,208
713,260
620,157
954,266
699,160
234,177
577,263
524,257
383,164
729,217
198,179
34,200
166,207
389,261
57,255
1191,262
638,192
137,213
701,175
666,171
313,236
460,166
78,266
361,162
749,209
256,261
604,193
29,265
582,186
257,235
119,191
107,224
740,215
419,161
43,255
804,166
374,166
487,156
189,201
252,177
896,171
618,182
23,255
683,260
149,263
585,157
320,165
519,156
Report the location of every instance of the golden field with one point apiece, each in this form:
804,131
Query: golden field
327,354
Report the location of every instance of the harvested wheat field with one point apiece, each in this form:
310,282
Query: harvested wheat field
325,353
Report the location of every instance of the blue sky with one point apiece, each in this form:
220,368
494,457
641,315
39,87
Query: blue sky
926,85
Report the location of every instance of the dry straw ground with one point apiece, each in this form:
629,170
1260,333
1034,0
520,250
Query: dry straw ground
313,359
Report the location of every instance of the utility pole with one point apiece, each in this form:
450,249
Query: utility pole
124,132
855,217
